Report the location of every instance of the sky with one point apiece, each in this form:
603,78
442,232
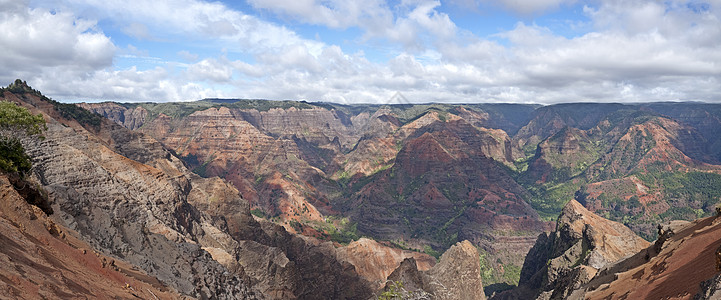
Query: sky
455,51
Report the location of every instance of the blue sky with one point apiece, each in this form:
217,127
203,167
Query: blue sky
542,51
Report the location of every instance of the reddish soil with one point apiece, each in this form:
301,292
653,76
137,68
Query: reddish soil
686,260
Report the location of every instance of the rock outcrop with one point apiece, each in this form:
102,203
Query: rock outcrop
456,276
303,162
375,261
564,260
127,196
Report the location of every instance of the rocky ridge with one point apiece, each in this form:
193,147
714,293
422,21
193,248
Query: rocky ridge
298,165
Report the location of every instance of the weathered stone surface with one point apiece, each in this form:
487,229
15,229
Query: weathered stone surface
301,164
456,276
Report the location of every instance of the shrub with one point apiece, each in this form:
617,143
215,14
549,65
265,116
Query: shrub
16,123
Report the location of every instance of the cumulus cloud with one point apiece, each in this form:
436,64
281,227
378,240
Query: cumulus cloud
127,85
211,70
333,13
410,23
34,39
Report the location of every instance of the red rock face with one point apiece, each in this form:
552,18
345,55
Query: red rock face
582,244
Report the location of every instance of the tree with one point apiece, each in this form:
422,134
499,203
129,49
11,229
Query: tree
17,123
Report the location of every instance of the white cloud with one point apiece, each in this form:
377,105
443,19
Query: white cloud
410,23
127,85
187,20
34,39
211,70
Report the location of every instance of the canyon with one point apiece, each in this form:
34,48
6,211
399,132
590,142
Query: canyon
259,199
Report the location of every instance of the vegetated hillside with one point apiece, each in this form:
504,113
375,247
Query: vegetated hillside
635,166
425,176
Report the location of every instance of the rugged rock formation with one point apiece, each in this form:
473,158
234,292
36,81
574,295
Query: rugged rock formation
456,276
443,189
42,259
375,261
131,118
279,264
569,257
564,155
134,209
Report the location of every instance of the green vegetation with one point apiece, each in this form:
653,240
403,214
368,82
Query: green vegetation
266,105
395,291
692,194
549,200
16,123
339,230
258,213
511,274
18,120
77,113
486,269
13,158
345,234
494,279
429,250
